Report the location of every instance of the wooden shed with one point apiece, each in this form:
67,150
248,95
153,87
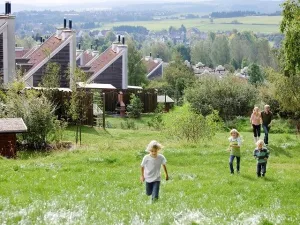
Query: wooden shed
166,100
9,127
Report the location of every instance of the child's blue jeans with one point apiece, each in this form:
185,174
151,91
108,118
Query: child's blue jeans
261,169
238,159
153,189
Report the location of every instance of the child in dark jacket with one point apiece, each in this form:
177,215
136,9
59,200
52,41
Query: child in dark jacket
261,154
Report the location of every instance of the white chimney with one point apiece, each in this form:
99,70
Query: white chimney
124,49
114,46
79,54
7,23
157,60
72,56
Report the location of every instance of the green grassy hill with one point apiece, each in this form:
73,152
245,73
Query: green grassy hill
263,24
98,182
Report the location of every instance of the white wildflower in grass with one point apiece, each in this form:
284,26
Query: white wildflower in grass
190,217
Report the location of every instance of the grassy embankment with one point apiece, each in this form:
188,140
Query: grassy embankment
98,182
262,24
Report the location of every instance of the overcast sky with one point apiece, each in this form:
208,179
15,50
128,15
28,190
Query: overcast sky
19,5
66,2
56,2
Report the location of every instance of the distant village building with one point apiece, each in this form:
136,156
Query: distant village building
200,70
220,68
154,67
20,52
85,57
243,73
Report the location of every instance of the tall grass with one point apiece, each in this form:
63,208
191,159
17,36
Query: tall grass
98,182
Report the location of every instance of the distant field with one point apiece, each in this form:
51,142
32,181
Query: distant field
262,24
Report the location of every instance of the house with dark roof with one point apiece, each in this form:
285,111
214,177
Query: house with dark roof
84,57
59,48
110,67
20,52
154,67
7,45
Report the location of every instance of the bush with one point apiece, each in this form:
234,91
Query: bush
230,96
282,126
58,132
135,108
2,97
128,125
38,115
240,123
186,124
35,109
156,121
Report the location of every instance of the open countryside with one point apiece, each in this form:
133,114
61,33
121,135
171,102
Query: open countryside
257,24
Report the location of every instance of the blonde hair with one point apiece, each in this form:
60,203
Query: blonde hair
234,131
260,142
153,145
256,110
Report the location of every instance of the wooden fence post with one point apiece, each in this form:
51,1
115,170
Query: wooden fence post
103,112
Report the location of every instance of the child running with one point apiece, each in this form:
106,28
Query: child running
234,148
150,168
262,155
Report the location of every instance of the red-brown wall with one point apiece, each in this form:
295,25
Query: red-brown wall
8,145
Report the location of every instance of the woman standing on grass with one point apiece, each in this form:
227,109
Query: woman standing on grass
255,121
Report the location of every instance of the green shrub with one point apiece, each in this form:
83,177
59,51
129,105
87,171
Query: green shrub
135,108
282,126
230,96
2,97
57,134
35,109
185,124
38,115
128,125
240,123
156,121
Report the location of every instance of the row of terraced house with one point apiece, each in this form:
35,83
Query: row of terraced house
107,71
110,68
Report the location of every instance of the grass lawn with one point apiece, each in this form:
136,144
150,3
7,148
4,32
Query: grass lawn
98,182
263,24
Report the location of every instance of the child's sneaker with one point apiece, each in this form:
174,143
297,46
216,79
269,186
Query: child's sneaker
154,200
